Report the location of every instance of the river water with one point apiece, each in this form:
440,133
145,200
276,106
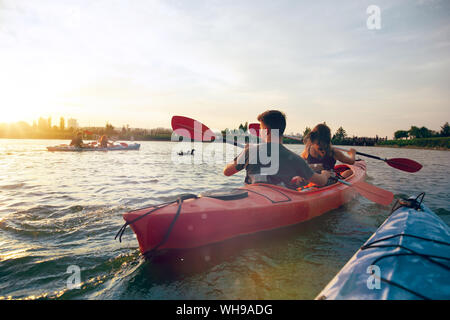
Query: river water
60,211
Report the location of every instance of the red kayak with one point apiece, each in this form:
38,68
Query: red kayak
194,221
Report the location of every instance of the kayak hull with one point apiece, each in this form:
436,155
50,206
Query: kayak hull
385,268
206,220
65,148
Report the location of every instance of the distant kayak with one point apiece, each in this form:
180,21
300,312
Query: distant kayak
407,258
119,147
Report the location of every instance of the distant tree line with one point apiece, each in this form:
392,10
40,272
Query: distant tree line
423,132
421,137
241,128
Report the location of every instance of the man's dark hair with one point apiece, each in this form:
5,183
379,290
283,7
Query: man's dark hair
274,119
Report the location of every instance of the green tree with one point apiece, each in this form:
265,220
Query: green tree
306,131
422,132
414,132
445,132
225,132
399,134
340,134
425,132
243,127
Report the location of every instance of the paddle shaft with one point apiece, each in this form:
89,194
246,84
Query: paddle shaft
342,149
362,154
403,164
343,182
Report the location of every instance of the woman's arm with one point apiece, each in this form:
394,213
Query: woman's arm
230,169
349,159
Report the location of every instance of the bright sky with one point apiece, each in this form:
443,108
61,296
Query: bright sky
223,62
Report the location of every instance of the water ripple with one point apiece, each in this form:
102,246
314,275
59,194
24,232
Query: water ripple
63,209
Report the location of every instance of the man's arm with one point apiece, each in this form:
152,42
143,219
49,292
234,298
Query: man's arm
320,179
239,163
305,172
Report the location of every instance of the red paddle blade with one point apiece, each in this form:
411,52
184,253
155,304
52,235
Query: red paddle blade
407,165
373,193
192,129
254,128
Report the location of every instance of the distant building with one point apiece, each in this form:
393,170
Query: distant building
72,123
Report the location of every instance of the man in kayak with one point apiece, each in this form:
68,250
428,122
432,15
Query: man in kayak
77,141
289,164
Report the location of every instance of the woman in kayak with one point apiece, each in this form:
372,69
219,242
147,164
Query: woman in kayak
283,165
103,141
321,155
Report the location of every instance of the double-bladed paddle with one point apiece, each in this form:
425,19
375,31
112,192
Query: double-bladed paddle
403,164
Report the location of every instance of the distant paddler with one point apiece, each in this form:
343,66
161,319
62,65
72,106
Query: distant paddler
78,141
181,153
103,141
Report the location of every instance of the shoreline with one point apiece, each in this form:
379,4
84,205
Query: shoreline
169,140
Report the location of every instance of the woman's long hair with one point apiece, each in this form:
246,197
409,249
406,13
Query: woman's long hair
321,134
